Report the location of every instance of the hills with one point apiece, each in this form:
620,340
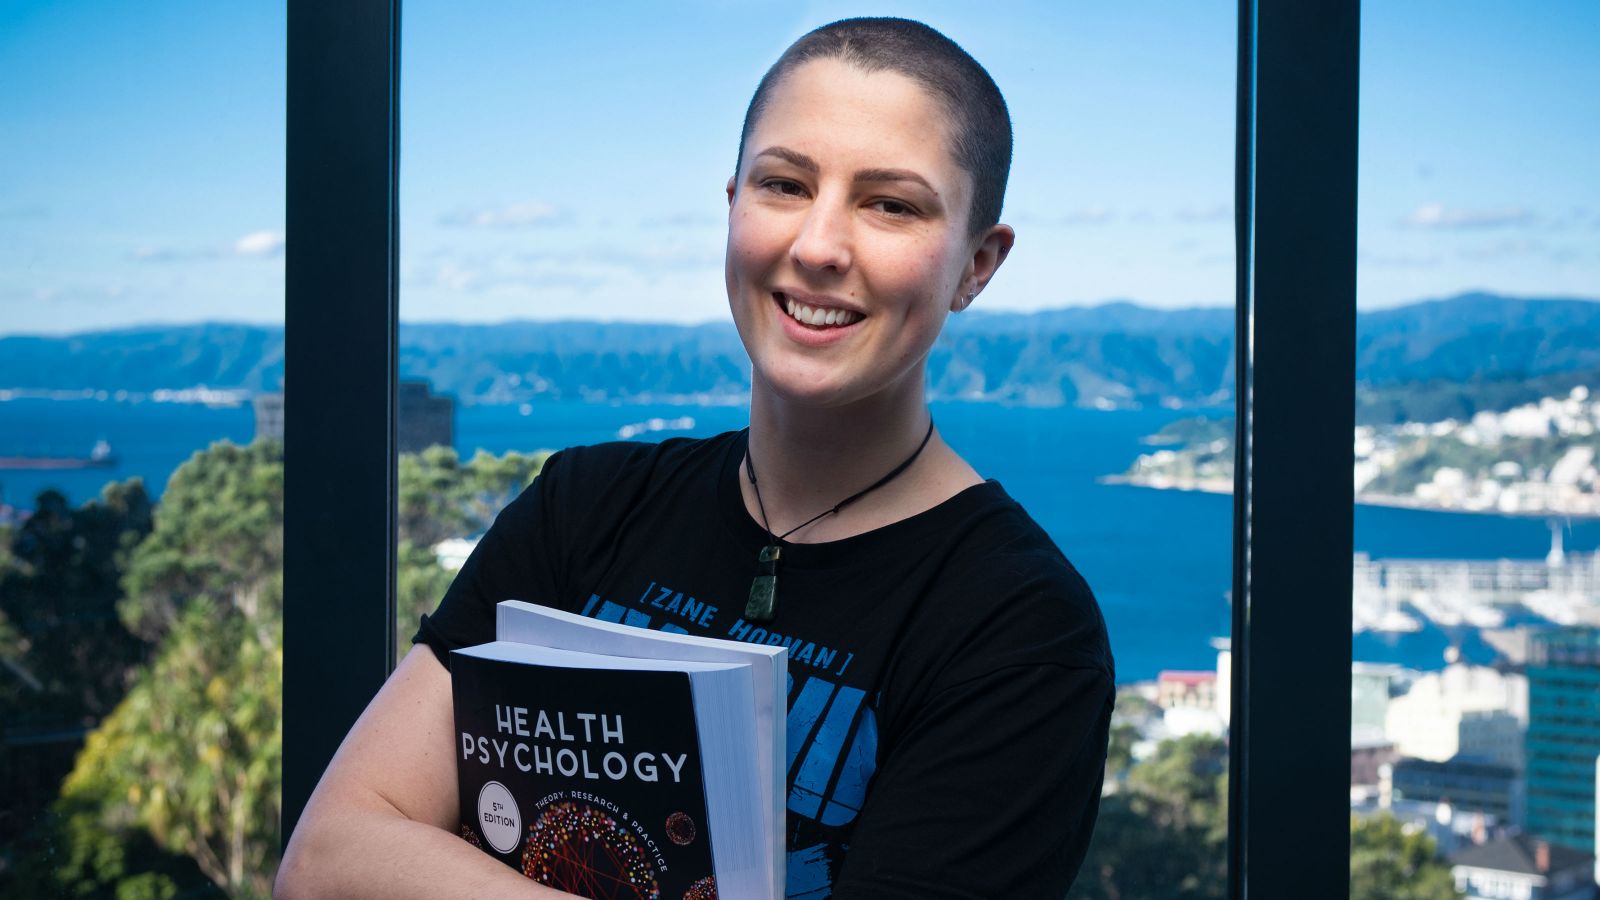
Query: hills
1453,353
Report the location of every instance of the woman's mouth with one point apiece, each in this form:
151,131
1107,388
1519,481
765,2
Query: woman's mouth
818,317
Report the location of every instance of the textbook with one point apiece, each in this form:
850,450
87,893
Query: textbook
631,773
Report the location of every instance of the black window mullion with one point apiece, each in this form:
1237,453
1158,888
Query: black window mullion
341,337
1290,742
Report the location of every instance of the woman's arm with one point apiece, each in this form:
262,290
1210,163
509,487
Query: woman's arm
382,821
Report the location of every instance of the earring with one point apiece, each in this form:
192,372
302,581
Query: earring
967,300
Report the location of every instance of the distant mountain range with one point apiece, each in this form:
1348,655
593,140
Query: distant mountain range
1117,354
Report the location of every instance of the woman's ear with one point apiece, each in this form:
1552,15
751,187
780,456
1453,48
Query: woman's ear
990,252
731,179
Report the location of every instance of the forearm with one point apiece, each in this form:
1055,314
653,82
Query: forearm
371,853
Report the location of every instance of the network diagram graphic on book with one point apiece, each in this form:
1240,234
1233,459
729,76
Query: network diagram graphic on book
614,762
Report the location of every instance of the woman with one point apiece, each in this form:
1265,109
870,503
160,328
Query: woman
952,683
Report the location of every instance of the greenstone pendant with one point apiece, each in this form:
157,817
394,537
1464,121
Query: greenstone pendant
763,602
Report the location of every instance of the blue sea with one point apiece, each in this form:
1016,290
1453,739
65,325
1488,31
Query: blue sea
1159,561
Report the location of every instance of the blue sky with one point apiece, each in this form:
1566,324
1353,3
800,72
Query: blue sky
557,163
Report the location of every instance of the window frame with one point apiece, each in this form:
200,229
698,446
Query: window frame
1295,205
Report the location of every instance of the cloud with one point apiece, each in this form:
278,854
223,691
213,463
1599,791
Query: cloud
581,268
1093,215
153,254
255,245
1511,248
485,275
532,214
1396,260
685,220
1088,216
1216,212
1437,216
259,243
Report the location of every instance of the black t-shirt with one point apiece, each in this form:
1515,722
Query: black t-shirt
950,681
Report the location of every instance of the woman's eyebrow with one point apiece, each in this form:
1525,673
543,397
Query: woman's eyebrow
801,161
893,175
792,157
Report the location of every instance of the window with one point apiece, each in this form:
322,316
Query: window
1296,183
141,515
547,178
1474,441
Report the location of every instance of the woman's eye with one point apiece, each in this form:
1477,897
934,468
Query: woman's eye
894,208
783,186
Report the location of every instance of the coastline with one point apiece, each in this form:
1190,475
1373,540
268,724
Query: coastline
1392,501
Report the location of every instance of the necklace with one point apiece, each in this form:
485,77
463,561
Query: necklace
763,602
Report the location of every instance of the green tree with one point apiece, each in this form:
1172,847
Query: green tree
193,755
191,760
218,536
1163,833
1388,861
177,791
441,498
59,590
65,656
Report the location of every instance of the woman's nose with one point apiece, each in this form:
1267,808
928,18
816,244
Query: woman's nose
823,241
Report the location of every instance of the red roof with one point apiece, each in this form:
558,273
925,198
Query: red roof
1187,677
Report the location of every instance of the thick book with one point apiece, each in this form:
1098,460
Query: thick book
635,773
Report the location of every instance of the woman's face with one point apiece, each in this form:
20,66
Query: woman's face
847,235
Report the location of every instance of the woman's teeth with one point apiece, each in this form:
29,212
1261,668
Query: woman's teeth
817,317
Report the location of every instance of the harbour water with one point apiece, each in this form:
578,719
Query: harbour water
1159,561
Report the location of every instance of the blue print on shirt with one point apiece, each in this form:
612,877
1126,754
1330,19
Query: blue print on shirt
837,731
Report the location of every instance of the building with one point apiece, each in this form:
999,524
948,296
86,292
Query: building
1563,735
1522,868
269,416
424,419
1469,785
1186,689
1461,710
1370,754
1370,686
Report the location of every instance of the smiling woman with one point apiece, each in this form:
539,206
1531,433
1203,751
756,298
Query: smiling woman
952,740
846,210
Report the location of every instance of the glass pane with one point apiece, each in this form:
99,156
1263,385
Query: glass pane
564,227
141,481
1474,727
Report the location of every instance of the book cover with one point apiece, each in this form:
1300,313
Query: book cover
587,780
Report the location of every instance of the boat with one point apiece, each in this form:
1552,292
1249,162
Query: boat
101,457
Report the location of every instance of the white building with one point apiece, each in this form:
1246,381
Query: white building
1472,710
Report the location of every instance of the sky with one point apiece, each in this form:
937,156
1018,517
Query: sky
567,161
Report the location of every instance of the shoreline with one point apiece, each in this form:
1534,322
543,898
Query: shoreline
1391,501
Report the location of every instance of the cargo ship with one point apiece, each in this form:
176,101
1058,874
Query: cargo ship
100,457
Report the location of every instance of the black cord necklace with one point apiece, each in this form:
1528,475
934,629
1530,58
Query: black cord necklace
763,602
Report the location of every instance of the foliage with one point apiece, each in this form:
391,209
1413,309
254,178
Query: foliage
59,591
1390,862
177,791
1194,430
1163,833
189,765
1417,460
194,753
440,498
77,850
65,656
218,536
1437,399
